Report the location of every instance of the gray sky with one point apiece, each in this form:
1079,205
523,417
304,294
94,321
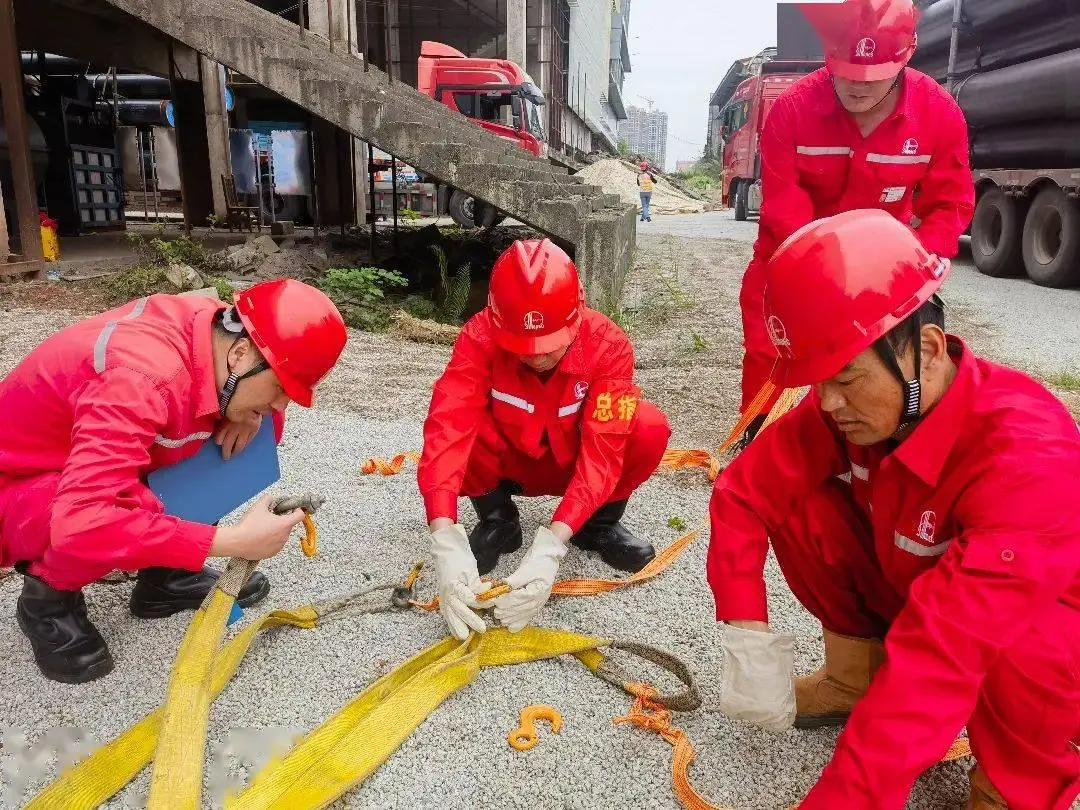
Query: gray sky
681,49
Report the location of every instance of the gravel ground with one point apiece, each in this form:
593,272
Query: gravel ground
372,526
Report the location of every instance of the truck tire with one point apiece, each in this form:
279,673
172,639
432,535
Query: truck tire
1052,239
464,209
742,191
997,234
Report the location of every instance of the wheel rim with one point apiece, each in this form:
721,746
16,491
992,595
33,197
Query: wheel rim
1048,236
468,208
989,239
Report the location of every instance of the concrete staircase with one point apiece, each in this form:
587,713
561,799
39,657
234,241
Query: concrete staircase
598,228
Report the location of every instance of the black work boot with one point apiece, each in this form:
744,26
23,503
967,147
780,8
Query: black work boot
603,533
67,646
161,592
499,529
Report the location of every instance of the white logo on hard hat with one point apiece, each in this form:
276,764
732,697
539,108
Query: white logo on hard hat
581,389
927,526
865,49
777,332
911,147
534,320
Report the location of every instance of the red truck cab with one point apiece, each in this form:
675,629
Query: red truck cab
496,93
743,118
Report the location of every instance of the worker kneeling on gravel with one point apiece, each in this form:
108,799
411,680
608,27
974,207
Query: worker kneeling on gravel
922,504
538,399
865,131
99,405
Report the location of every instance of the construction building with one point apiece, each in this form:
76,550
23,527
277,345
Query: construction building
197,108
646,133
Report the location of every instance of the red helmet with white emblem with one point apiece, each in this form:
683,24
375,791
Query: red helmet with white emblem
297,329
837,285
536,298
865,40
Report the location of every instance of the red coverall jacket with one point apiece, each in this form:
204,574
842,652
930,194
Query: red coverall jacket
976,526
583,415
815,163
97,406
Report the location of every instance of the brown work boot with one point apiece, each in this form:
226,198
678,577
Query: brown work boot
827,697
984,796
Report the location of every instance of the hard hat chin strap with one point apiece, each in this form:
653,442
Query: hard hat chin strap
911,408
231,324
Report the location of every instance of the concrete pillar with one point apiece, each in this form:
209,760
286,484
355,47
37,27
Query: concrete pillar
393,30
5,245
217,128
336,20
22,167
515,32
193,153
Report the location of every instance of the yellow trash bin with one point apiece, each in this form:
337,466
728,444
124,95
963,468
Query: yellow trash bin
50,241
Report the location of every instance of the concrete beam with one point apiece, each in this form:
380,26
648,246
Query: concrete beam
124,42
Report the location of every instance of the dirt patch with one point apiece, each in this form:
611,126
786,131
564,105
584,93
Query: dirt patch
683,315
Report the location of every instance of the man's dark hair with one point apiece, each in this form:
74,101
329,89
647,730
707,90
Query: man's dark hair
904,334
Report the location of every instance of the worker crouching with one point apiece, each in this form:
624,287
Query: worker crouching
538,399
98,406
922,503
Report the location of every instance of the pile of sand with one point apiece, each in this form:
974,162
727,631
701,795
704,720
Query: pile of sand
617,177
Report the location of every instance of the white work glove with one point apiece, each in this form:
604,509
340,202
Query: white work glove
459,581
531,582
758,684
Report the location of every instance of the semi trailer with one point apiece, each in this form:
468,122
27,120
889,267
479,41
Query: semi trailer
1014,68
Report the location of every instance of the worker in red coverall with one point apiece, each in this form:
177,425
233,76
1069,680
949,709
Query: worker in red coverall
538,399
99,405
865,131
922,503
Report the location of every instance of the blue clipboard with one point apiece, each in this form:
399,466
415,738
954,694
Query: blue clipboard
206,487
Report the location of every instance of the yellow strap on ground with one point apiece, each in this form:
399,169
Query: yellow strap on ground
176,782
94,780
355,741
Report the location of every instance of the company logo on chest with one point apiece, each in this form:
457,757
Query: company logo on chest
922,534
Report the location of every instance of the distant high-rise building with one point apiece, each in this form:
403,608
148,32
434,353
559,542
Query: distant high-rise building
645,133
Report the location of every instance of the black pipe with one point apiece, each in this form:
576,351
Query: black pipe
980,16
1040,90
1003,49
55,65
1037,145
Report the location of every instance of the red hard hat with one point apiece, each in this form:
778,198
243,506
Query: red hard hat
865,40
297,329
644,165
837,285
536,298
